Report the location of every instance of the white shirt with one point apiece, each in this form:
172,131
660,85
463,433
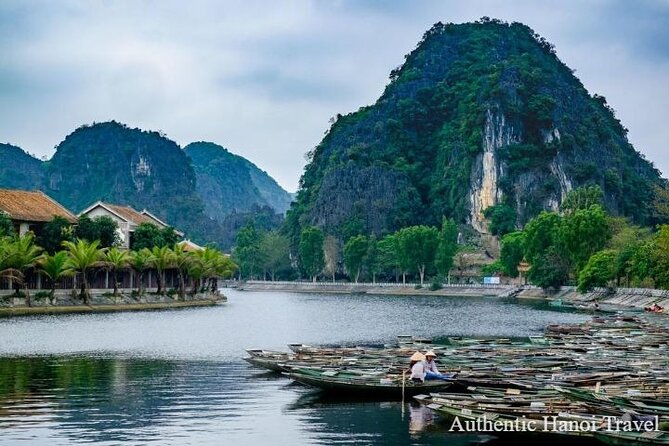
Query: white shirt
431,366
418,371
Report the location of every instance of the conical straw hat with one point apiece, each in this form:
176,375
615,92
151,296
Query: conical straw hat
431,353
418,356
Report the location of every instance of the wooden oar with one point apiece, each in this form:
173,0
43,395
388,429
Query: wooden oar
404,373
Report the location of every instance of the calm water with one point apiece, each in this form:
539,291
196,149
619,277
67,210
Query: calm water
176,377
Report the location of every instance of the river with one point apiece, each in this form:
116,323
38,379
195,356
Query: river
177,378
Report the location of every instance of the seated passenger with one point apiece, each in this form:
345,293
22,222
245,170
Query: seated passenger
431,371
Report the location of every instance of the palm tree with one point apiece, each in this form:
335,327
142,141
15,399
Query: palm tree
56,267
182,258
116,260
141,261
22,256
7,255
223,267
162,259
83,256
197,269
210,265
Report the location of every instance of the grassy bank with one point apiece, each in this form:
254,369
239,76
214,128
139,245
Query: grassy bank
105,308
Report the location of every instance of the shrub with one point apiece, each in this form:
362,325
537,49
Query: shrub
41,296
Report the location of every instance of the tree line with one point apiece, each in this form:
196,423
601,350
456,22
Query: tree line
582,244
20,255
416,250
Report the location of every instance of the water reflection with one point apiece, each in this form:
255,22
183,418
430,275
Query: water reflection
420,418
176,378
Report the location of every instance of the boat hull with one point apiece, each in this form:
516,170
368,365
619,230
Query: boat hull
349,387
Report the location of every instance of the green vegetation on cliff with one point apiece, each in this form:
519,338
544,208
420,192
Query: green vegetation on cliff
228,183
18,170
209,199
111,162
480,114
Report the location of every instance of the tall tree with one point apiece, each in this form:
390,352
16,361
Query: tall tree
388,248
626,240
501,219
447,247
140,261
582,233
6,225
23,256
311,252
86,229
550,269
274,253
83,256
418,246
162,258
55,267
372,258
659,257
103,228
107,230
598,271
512,252
7,270
182,258
116,260
247,252
540,234
54,233
355,250
332,256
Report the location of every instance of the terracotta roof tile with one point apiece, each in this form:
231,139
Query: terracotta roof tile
32,206
130,214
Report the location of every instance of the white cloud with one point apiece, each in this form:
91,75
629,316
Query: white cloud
263,78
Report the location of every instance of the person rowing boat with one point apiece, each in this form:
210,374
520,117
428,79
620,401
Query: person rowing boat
417,367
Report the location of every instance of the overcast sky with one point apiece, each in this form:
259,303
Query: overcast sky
263,78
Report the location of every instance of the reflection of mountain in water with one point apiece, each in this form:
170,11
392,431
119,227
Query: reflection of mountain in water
116,400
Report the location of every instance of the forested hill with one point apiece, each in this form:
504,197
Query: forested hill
111,162
231,184
481,118
18,170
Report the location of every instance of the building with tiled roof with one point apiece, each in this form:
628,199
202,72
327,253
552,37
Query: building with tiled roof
29,210
125,217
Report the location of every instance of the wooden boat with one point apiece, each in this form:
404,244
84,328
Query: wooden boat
607,366
378,385
266,363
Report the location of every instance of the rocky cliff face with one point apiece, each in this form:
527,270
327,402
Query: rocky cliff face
229,184
487,169
479,115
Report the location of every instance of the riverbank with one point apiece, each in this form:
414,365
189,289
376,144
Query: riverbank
66,309
621,297
13,305
378,288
